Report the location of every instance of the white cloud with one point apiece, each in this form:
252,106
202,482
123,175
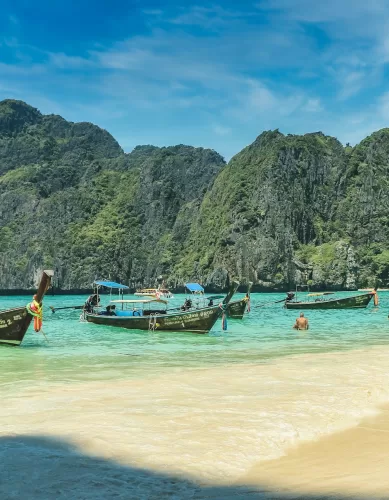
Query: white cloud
312,106
61,60
238,75
13,20
383,107
152,12
221,130
260,98
345,18
351,83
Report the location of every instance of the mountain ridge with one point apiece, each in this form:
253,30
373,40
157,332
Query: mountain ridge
285,210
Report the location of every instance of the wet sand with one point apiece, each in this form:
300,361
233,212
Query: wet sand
353,463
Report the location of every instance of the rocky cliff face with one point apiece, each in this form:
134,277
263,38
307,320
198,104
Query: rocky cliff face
72,200
278,194
285,210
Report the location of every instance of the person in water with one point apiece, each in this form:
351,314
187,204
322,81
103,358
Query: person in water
301,323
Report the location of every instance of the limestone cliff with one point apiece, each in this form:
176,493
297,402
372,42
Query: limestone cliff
285,210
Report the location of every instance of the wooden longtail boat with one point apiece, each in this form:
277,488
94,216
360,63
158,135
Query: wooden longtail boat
199,320
15,322
237,308
352,302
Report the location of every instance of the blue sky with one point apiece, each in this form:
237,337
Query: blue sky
211,74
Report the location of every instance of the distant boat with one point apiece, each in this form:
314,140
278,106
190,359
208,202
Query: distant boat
351,302
151,315
237,308
15,322
157,293
371,289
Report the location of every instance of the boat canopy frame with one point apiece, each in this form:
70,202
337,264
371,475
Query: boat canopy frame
111,285
194,288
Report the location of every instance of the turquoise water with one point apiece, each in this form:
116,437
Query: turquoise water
207,407
82,351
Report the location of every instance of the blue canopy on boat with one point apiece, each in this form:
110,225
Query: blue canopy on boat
194,287
110,284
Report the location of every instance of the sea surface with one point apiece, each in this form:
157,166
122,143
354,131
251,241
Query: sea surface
205,407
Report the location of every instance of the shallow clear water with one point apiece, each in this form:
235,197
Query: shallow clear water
82,351
208,407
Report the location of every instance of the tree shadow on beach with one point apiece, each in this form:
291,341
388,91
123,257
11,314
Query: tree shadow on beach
40,468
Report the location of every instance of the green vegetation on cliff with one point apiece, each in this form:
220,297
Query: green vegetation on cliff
72,200
285,210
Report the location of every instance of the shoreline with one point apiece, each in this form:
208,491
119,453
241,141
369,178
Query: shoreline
351,462
212,425
256,289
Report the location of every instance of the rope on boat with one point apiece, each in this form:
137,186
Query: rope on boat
152,323
44,335
223,307
35,310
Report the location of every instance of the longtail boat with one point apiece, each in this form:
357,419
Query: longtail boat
237,308
156,293
15,322
141,315
352,302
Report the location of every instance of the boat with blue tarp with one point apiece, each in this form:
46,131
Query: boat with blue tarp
152,314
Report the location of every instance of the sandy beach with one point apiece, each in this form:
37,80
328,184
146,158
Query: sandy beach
352,463
299,426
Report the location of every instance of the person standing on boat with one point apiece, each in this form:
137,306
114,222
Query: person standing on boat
301,323
91,302
289,296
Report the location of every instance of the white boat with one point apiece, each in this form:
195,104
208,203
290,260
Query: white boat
156,293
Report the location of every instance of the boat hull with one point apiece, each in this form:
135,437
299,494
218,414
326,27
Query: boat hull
194,321
356,302
237,308
13,325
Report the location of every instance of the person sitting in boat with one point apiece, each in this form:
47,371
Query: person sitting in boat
210,303
109,311
301,323
187,305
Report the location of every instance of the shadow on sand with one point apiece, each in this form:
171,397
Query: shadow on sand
38,467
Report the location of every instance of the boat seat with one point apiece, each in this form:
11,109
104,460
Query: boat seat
154,311
129,313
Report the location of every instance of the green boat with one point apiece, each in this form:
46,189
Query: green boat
142,315
321,302
237,308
